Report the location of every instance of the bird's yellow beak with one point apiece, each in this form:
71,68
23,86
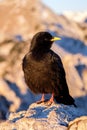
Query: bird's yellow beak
55,39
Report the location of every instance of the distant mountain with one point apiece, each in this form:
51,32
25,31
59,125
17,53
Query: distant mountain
76,16
23,17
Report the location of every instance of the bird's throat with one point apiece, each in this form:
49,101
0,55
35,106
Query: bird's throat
39,54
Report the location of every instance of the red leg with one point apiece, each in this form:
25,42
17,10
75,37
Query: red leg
42,99
51,100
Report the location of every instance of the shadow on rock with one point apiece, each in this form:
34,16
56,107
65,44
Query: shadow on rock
26,99
73,45
4,107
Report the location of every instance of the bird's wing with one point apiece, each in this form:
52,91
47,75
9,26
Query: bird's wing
56,64
58,73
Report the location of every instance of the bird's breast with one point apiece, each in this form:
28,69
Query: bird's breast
37,75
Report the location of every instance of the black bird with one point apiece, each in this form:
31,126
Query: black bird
43,70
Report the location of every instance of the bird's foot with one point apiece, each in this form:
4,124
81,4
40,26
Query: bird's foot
42,100
39,102
46,102
49,102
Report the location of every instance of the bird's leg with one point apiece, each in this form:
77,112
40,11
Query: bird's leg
41,100
51,100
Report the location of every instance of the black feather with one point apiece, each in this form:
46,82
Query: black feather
44,71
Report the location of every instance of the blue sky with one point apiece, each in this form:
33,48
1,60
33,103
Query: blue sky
60,6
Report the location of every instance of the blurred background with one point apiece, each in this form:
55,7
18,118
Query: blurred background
19,21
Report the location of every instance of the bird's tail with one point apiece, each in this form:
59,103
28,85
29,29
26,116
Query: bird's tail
67,100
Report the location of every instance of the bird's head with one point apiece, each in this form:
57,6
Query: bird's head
42,40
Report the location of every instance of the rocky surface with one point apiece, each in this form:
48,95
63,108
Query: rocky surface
21,19
42,117
76,16
79,123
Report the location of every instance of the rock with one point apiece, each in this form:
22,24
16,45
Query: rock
84,76
4,107
42,117
78,124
